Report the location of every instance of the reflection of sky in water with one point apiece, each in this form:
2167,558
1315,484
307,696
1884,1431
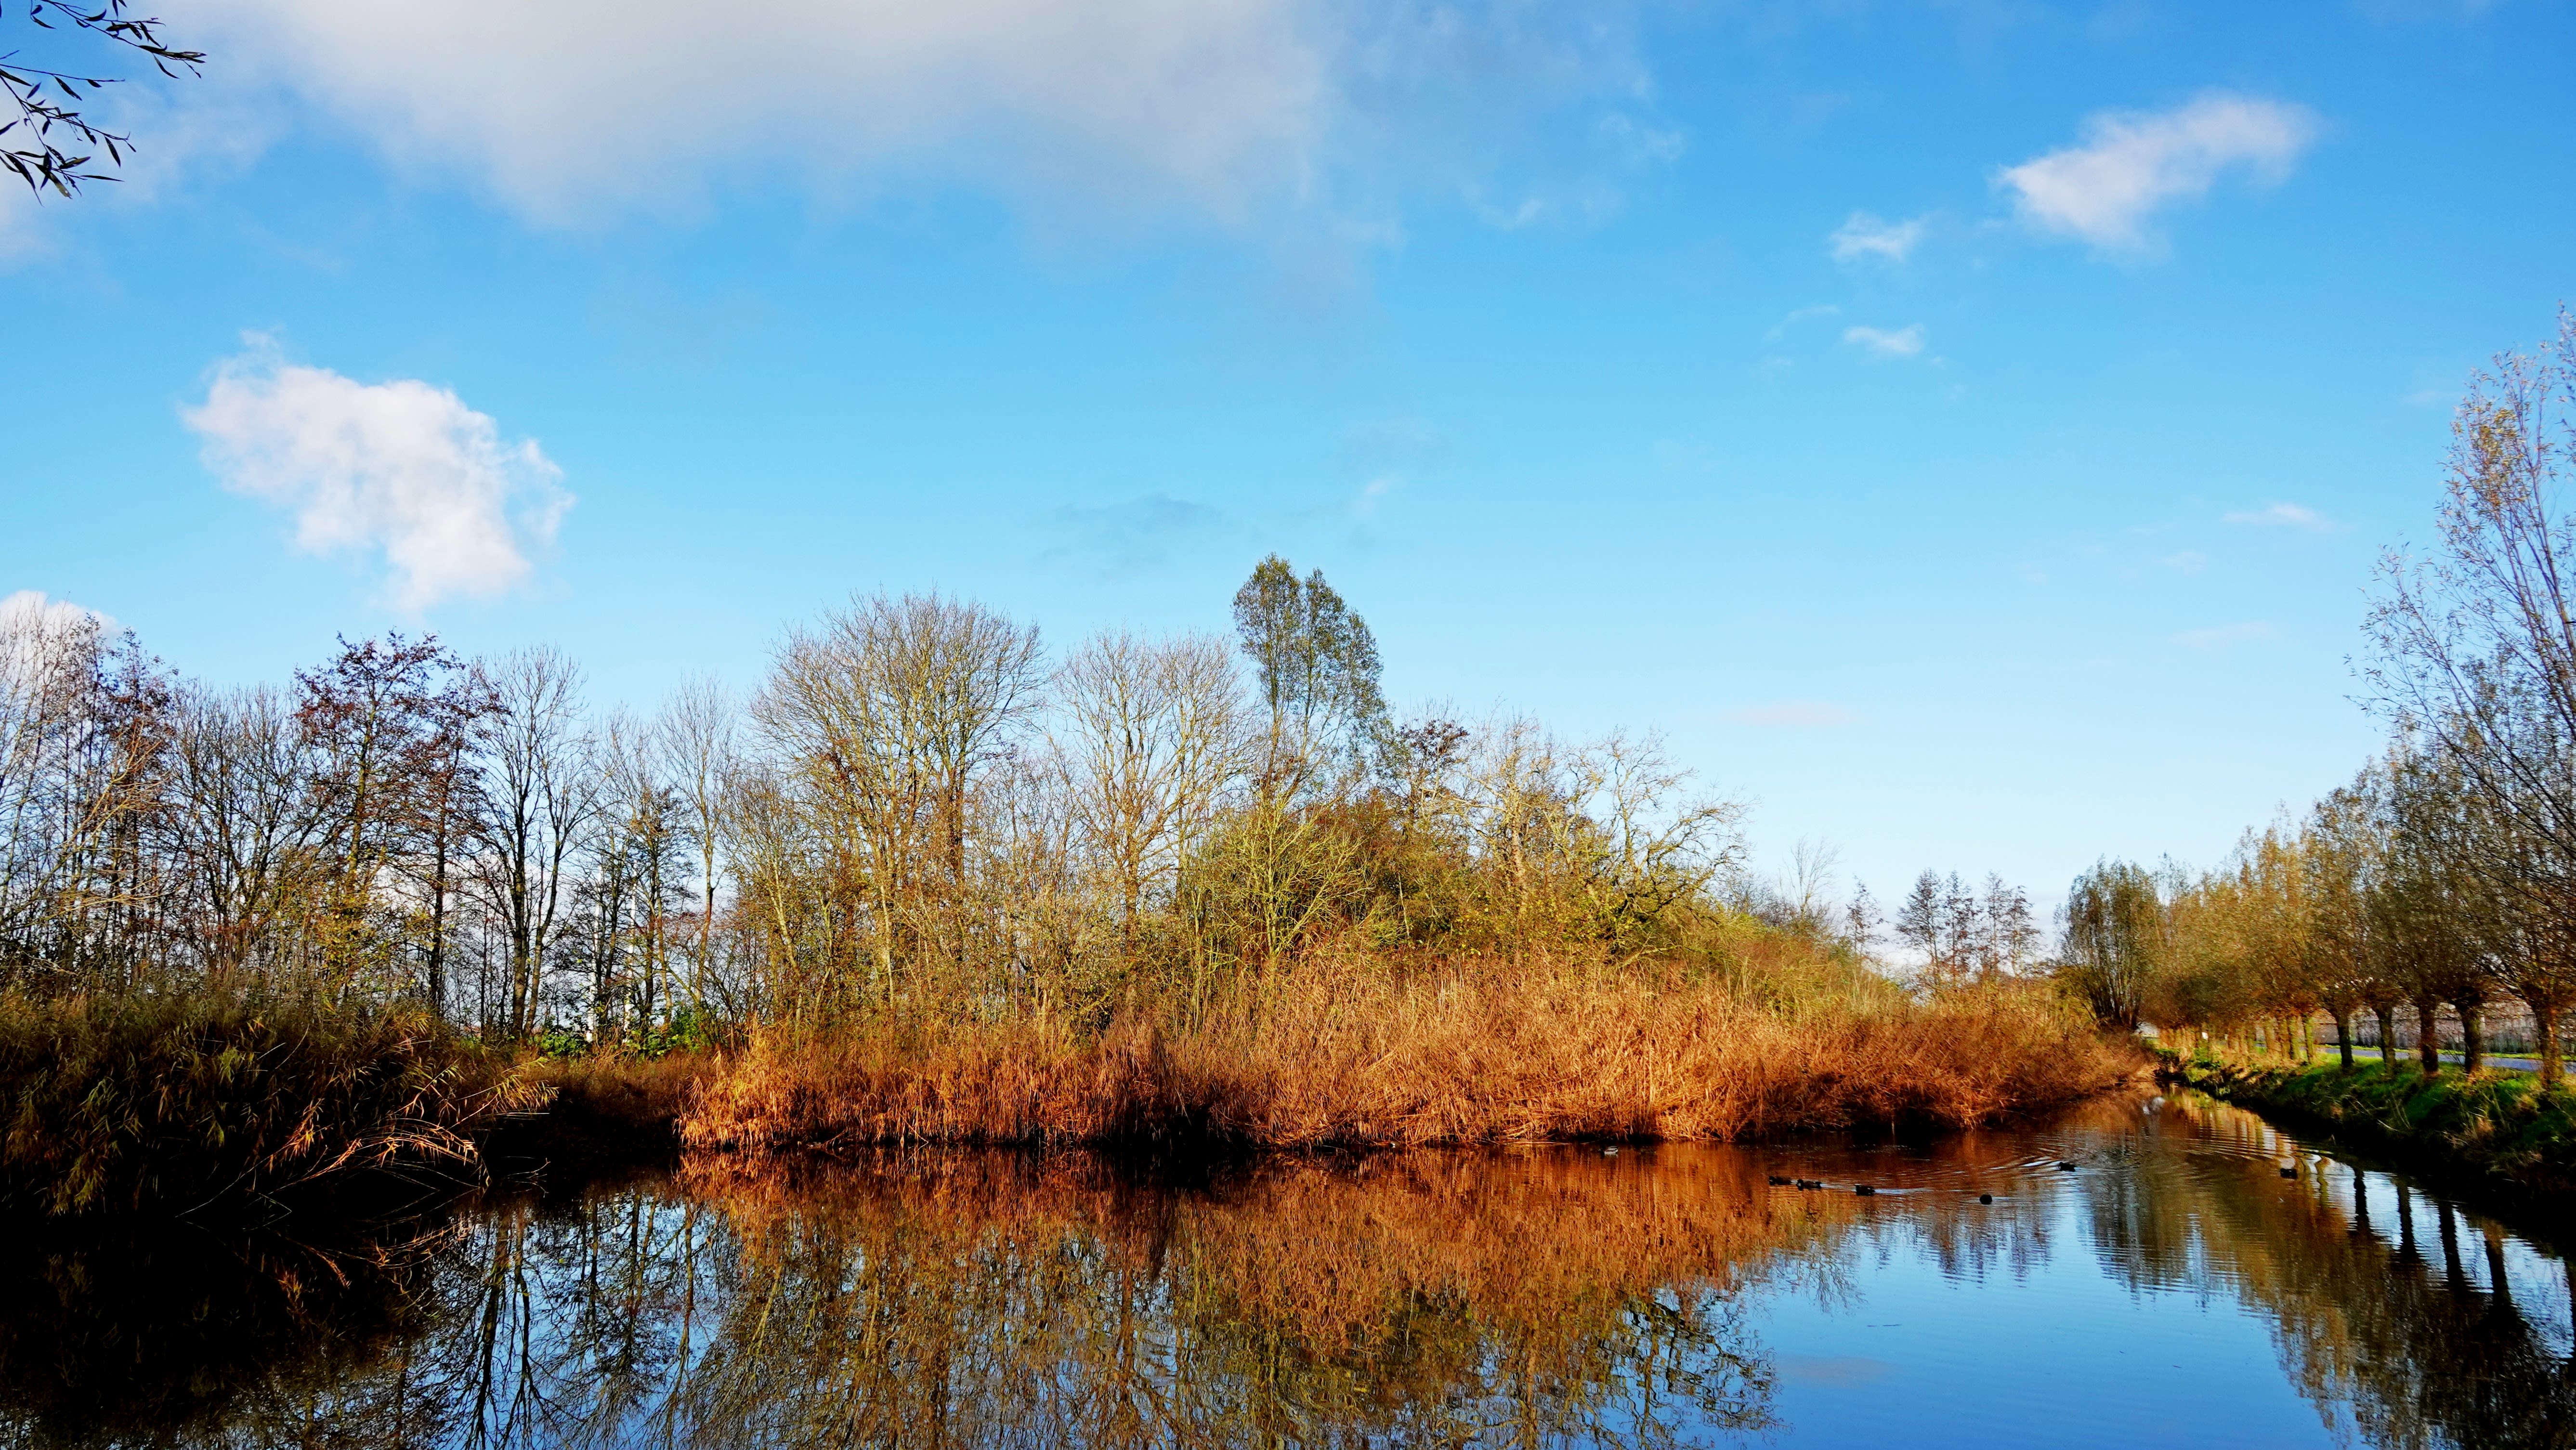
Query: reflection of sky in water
2058,1354
2091,1342
2174,1290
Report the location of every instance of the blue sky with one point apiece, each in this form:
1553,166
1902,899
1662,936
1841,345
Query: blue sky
1965,430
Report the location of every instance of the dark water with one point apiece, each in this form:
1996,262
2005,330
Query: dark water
2175,1290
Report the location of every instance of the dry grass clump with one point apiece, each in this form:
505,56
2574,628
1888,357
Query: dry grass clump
181,1100
1332,1054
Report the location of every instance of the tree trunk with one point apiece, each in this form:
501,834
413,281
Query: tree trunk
2544,1020
2428,1037
2343,1035
2473,1043
2387,1016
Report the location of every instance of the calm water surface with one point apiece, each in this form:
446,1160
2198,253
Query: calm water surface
2175,1289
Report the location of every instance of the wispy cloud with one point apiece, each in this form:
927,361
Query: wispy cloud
1880,342
1791,715
2186,561
1117,541
1798,315
398,469
1374,492
2131,164
1865,235
2284,516
2219,637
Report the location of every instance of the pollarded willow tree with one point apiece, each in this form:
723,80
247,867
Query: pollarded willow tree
2428,906
2475,652
2115,940
2339,857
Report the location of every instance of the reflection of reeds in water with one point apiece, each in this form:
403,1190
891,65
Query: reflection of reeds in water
1469,1054
1486,1299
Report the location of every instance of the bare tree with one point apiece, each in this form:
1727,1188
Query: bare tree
1151,736
386,721
694,739
543,792
245,826
885,717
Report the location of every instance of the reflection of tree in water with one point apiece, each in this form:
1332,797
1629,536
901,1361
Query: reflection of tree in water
1534,1299
1442,1299
2384,1332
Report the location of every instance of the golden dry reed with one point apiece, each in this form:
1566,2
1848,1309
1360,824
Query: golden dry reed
1332,1055
118,1102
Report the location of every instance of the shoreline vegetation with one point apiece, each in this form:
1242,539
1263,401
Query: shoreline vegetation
1470,1054
2499,1130
236,1106
927,884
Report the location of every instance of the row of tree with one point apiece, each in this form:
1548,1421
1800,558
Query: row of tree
918,812
2445,873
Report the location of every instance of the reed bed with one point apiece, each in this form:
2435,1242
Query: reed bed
606,1106
182,1100
1470,1053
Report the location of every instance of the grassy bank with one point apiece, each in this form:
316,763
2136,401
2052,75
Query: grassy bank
173,1101
1473,1053
2496,1127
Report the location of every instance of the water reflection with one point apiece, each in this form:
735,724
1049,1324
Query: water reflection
1539,1298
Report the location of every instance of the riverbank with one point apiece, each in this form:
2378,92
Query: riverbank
2499,1129
223,1103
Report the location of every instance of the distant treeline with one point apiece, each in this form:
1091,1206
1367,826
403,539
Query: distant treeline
921,812
2445,873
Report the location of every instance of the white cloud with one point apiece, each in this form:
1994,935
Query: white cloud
29,610
2186,561
1879,342
573,109
1864,235
1791,715
2131,163
2219,637
400,467
2284,516
39,636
